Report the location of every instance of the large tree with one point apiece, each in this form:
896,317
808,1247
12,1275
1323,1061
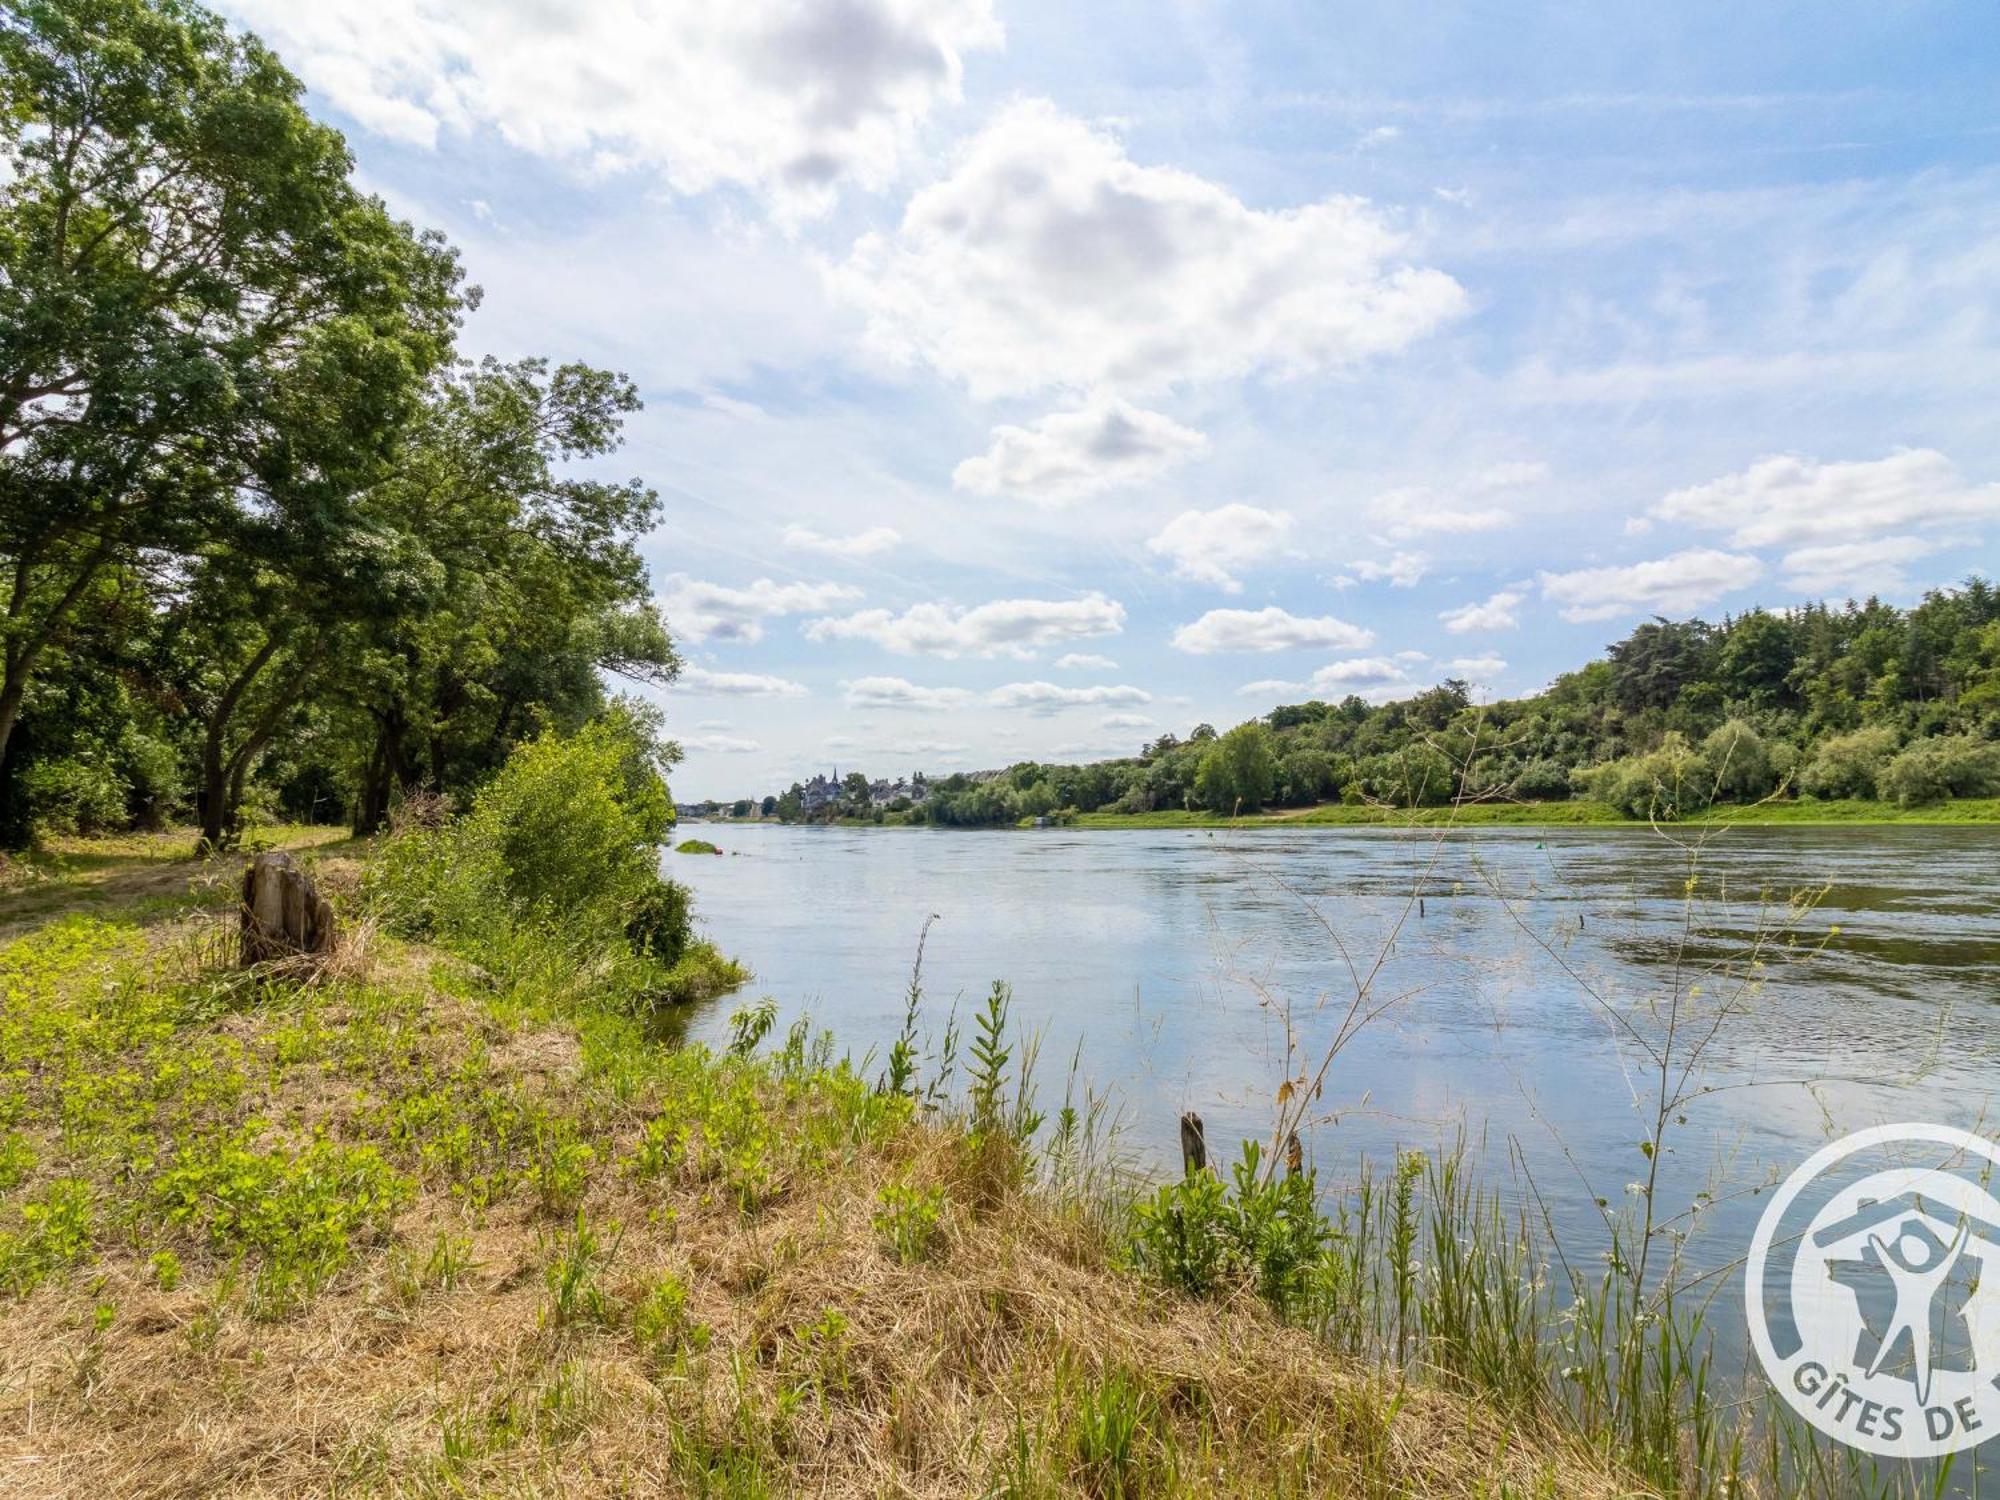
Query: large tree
203,324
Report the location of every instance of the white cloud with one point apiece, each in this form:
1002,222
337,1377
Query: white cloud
1497,613
1420,512
898,692
869,543
1085,661
700,611
1212,546
1857,568
1269,687
1124,721
1358,673
1071,455
700,680
1003,627
785,99
1049,698
1268,629
1788,500
1477,667
1047,258
1677,584
1405,570
720,744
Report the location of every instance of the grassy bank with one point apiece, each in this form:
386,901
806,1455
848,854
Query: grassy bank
422,1224
1565,814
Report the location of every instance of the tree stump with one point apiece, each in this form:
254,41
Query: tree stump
283,912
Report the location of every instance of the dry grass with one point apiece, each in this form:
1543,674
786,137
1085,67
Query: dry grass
702,1347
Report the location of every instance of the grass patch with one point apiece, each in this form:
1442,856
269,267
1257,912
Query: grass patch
460,1218
695,846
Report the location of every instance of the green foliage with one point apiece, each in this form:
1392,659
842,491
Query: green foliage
1678,715
1959,766
908,1220
1239,772
1203,1238
558,858
1740,761
74,795
1847,765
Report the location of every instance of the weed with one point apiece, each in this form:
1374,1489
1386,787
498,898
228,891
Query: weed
908,1220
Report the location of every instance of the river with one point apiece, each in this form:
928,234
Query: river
1516,1005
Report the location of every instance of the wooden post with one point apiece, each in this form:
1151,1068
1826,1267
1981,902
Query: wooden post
1194,1146
283,912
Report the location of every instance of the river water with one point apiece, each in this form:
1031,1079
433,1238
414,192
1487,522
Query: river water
1518,1007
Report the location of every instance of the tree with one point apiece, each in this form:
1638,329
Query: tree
1239,770
201,320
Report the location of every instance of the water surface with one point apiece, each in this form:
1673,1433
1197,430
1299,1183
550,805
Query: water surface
1516,998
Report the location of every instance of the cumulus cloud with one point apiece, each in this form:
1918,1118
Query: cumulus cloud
1049,698
1047,258
720,744
787,100
1084,661
700,680
869,543
1003,627
1857,568
1477,667
1404,570
701,611
1360,673
1212,546
1678,584
1124,721
1791,501
1268,629
1497,613
1071,455
899,692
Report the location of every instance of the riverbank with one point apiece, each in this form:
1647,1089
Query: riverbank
427,1225
1852,812
1562,815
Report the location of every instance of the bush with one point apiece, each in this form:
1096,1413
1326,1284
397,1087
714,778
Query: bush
1741,764
1931,770
1666,783
564,843
1848,764
74,795
1541,781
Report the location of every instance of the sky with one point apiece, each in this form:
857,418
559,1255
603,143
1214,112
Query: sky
1027,378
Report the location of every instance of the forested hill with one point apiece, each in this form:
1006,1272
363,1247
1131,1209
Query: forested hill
1857,701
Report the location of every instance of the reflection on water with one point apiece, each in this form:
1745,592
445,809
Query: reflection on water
1170,958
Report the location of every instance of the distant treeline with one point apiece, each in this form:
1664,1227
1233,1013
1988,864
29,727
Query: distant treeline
1866,701
268,545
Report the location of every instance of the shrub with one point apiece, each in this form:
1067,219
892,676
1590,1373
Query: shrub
1931,770
1848,764
1741,763
565,842
1541,781
74,795
1666,783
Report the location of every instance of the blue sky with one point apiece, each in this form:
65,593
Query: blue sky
1026,379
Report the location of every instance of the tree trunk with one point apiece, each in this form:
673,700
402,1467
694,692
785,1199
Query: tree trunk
216,808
